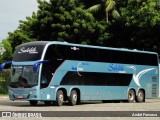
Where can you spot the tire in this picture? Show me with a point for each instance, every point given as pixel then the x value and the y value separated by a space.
pixel 131 96
pixel 72 100
pixel 59 98
pixel 78 100
pixel 140 96
pixel 33 102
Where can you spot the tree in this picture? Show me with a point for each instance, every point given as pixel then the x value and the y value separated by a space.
pixel 109 6
pixel 72 21
pixel 2 50
pixel 18 37
pixel 142 19
pixel 60 20
pixel 6 51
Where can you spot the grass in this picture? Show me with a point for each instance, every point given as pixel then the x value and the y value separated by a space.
pixel 2 80
pixel 1 95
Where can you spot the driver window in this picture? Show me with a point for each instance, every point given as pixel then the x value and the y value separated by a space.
pixel 55 58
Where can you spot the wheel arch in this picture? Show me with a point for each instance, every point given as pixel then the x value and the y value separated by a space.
pixel 132 89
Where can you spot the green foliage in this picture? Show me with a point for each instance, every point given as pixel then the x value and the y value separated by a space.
pixel 142 19
pixel 142 13
pixel 117 23
pixel 109 7
pixel 2 50
pixel 110 4
pixel 62 20
pixel 4 80
pixel 94 8
pixel 7 54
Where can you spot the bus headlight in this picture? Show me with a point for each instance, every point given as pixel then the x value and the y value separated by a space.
pixel 53 86
pixel 33 91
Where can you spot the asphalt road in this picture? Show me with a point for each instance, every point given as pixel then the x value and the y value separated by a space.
pixel 93 110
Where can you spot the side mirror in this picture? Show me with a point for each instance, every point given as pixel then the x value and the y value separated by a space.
pixel 2 66
pixel 35 66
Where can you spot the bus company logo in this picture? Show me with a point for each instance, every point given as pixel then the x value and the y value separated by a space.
pixel 74 48
pixel 137 76
pixel 30 50
pixel 77 69
pixel 115 67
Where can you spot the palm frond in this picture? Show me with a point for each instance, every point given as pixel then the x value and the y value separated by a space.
pixel 94 8
pixel 115 14
pixel 110 4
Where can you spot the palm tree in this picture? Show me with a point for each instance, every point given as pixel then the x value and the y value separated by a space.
pixel 109 6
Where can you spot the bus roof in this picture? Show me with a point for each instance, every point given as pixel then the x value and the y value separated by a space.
pixel 82 45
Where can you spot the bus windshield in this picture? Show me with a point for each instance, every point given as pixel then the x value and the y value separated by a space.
pixel 23 76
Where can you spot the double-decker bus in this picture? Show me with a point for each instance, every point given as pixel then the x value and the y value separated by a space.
pixel 60 72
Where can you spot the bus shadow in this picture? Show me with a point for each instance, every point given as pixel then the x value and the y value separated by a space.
pixel 42 104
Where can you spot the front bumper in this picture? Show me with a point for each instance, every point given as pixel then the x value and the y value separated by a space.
pixel 23 94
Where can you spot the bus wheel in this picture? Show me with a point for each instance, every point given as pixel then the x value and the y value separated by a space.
pixel 72 100
pixel 59 98
pixel 131 96
pixel 140 97
pixel 33 102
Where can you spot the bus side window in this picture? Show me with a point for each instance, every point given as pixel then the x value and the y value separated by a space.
pixel 117 56
pixel 61 52
pixel 90 54
pixel 104 55
pixel 129 57
pixel 75 53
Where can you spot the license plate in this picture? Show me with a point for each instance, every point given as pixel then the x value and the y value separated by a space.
pixel 20 96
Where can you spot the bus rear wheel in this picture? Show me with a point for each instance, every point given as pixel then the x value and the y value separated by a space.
pixel 59 98
pixel 72 100
pixel 140 96
pixel 131 96
pixel 33 102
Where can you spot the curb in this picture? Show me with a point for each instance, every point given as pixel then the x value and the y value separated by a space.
pixel 4 97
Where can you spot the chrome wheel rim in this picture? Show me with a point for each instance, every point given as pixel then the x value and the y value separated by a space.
pixel 74 97
pixel 140 96
pixel 61 98
pixel 131 96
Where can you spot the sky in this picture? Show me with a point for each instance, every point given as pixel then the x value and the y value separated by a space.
pixel 11 11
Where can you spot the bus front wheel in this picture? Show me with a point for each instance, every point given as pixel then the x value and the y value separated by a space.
pixel 59 98
pixel 72 100
pixel 140 96
pixel 33 102
pixel 131 96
